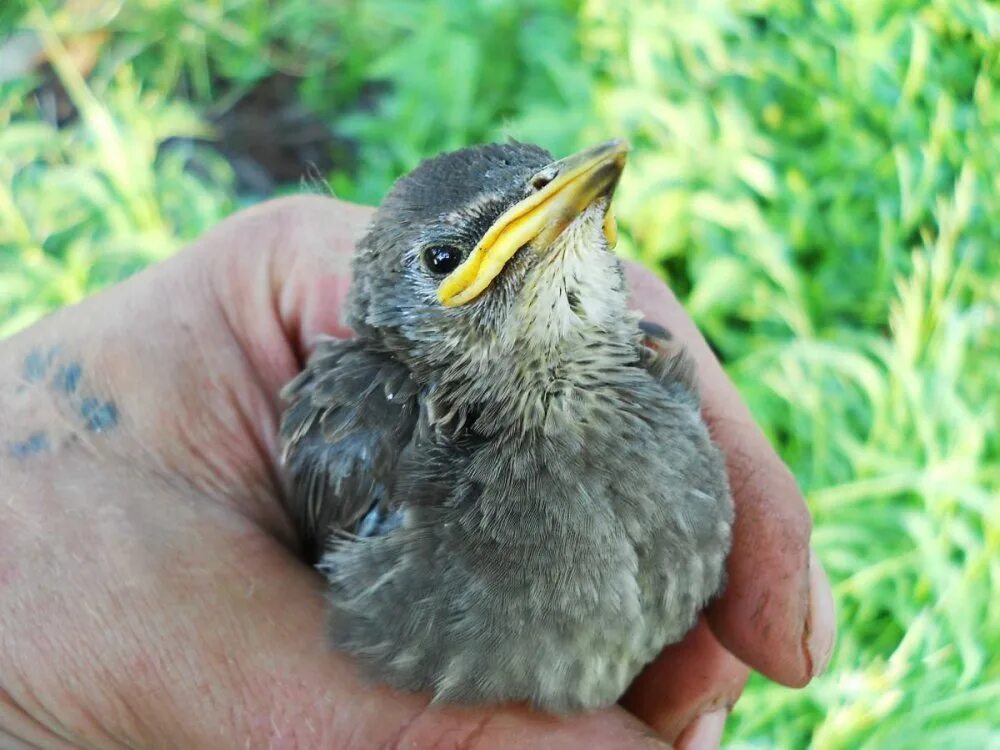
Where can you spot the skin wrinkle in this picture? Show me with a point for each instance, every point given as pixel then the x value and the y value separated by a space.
pixel 807 656
pixel 295 728
pixel 214 472
pixel 231 688
pixel 463 736
pixel 240 717
pixel 91 725
pixel 396 742
pixel 10 742
pixel 32 726
pixel 287 722
pixel 255 429
pixel 235 467
pixel 108 723
pixel 473 739
pixel 133 723
pixel 186 668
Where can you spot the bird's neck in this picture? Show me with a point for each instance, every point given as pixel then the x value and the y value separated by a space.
pixel 513 384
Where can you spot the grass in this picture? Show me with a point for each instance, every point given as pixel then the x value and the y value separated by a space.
pixel 819 180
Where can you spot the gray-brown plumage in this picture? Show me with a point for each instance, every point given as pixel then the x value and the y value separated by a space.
pixel 512 496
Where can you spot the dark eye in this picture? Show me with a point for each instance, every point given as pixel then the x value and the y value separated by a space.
pixel 442 259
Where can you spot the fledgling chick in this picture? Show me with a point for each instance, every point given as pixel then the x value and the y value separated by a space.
pixel 512 496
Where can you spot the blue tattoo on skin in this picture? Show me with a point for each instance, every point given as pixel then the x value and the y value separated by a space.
pixel 34 367
pixel 100 416
pixel 35 444
pixel 67 378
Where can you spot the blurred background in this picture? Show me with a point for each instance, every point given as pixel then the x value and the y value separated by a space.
pixel 819 181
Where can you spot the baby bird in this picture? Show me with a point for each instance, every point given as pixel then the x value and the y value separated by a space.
pixel 509 490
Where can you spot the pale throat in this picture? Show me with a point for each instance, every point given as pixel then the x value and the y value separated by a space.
pixel 570 326
pixel 575 292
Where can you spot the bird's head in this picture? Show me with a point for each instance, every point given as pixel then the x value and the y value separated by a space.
pixel 492 251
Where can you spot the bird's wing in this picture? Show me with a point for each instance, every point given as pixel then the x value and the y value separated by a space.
pixel 668 362
pixel 349 414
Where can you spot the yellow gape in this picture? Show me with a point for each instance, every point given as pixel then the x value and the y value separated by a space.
pixel 579 180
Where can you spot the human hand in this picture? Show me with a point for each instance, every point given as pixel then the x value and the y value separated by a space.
pixel 150 589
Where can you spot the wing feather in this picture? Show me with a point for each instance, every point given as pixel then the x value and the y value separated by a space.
pixel 349 415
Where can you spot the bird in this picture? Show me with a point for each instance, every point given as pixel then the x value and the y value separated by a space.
pixel 504 476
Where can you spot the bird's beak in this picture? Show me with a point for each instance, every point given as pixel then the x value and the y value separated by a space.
pixel 565 189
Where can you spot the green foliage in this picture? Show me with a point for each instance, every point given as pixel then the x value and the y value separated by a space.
pixel 86 204
pixel 475 72
pixel 819 180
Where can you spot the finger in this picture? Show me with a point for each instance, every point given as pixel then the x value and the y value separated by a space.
pixel 688 684
pixel 776 613
pixel 705 733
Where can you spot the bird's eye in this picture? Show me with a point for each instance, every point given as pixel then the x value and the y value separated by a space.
pixel 442 259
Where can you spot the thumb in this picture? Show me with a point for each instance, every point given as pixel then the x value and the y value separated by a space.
pixel 281 272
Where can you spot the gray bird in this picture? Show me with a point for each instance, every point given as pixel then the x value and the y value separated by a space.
pixel 507 484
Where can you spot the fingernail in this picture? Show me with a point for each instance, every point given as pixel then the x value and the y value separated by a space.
pixel 705 732
pixel 821 625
